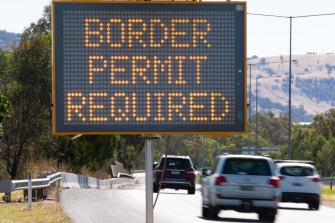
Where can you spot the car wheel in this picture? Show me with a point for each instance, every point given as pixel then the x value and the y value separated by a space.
pixel 314 205
pixel 267 216
pixel 209 212
pixel 205 212
pixel 191 190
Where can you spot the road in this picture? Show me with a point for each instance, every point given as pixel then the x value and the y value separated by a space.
pixel 128 206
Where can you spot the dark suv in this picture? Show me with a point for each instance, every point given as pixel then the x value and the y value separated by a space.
pixel 179 174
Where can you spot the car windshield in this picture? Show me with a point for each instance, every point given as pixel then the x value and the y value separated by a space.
pixel 298 171
pixel 176 163
pixel 247 167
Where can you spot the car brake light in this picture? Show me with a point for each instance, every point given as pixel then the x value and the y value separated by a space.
pixel 191 172
pixel 219 180
pixel 274 181
pixel 315 179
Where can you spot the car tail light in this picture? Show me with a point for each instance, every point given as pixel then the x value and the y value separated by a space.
pixel 274 181
pixel 219 180
pixel 190 172
pixel 315 179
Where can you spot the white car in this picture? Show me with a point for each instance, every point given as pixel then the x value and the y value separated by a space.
pixel 242 183
pixel 299 183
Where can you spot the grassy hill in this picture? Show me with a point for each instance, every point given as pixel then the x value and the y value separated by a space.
pixel 313 84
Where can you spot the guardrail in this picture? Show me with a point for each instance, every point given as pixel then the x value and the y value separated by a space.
pixel 327 180
pixel 41 186
pixel 36 183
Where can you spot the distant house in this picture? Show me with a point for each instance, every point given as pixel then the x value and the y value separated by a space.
pixel 302 123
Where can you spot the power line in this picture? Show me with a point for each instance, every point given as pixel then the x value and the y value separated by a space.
pixel 290 69
pixel 304 16
pixel 267 15
pixel 294 17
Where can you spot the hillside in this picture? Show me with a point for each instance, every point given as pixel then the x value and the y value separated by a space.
pixel 8 40
pixel 313 81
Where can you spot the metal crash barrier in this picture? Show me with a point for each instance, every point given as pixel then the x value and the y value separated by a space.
pixel 40 187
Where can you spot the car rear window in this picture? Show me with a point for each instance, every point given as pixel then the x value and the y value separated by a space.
pixel 176 163
pixel 298 171
pixel 247 167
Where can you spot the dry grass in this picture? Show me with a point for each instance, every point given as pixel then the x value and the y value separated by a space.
pixel 42 212
pixel 103 173
pixel 46 166
pixel 48 211
pixel 328 198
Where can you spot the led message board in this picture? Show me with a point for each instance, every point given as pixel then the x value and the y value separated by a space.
pixel 148 67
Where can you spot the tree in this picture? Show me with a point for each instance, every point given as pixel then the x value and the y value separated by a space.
pixel 30 100
pixel 263 62
pixel 326 159
pixel 94 152
pixel 325 124
pixel 129 149
pixel 301 143
pixel 4 111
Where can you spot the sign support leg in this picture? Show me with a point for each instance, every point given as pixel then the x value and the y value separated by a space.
pixel 149 181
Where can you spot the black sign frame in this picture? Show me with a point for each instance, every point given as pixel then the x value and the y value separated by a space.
pixel 67 12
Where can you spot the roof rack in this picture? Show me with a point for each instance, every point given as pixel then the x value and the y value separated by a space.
pixel 295 161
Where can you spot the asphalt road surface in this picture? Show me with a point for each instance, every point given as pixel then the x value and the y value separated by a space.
pixel 128 206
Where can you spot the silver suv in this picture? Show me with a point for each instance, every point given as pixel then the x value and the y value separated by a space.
pixel 242 183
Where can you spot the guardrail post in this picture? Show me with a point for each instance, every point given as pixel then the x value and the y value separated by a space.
pixel 7 197
pixel 331 185
pixel 30 194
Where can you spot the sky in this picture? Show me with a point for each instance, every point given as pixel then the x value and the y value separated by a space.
pixel 266 36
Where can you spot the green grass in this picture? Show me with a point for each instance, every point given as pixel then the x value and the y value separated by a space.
pixel 328 195
pixel 327 191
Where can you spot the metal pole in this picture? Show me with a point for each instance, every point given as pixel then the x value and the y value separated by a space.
pixel 149 182
pixel 289 96
pixel 30 194
pixel 206 156
pixel 256 115
pixel 249 127
pixel 198 153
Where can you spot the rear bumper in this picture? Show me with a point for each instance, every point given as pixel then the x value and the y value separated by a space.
pixel 177 185
pixel 245 205
pixel 299 197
